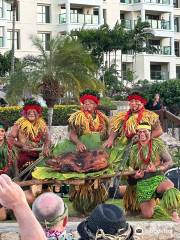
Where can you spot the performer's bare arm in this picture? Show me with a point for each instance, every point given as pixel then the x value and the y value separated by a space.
pixel 47 143
pixel 157 130
pixel 13 137
pixel 74 138
pixel 109 142
pixel 166 161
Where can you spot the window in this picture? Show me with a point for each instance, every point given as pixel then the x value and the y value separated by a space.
pixel 176 24
pixel 10 13
pixel 176 47
pixel 16 39
pixel 45 38
pixel 1 36
pixel 1 8
pixel 43 14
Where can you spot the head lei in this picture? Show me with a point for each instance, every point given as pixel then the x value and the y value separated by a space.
pixel 89 94
pixel 144 126
pixel 32 104
pixel 137 96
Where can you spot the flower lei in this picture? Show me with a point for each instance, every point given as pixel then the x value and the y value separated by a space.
pixel 34 131
pixel 138 120
pixel 93 125
pixel 54 234
pixel 142 158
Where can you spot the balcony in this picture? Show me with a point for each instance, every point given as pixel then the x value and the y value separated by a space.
pixel 127 1
pixel 159 24
pixel 163 50
pixel 159 75
pixel 126 23
pixel 80 18
pixel 164 2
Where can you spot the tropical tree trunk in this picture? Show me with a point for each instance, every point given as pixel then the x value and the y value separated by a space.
pixel 50 116
pixel 14 5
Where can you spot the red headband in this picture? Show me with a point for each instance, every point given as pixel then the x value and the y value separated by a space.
pixel 88 96
pixel 137 97
pixel 35 107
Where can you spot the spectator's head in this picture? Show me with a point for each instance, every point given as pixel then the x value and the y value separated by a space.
pixel 105 219
pixel 157 97
pixel 136 101
pixel 51 212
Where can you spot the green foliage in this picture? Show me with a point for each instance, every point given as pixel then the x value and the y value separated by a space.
pixel 112 81
pixel 66 64
pixel 5 63
pixel 91 92
pixel 169 92
pixel 60 116
pixel 106 101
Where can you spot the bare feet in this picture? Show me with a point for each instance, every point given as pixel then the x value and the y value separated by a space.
pixel 175 217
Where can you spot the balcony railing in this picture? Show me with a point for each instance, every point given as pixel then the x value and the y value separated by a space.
pixel 127 1
pixel 166 2
pixel 126 23
pixel 159 24
pixel 159 75
pixel 163 50
pixel 80 18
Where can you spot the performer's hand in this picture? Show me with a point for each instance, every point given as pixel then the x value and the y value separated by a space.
pixel 135 139
pixel 26 148
pixel 139 174
pixel 151 168
pixel 46 151
pixel 80 147
pixel 108 143
pixel 11 195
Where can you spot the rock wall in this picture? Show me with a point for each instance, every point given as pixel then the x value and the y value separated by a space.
pixel 143 230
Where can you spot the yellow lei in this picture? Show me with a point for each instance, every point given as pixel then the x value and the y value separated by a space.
pixel 31 129
pixel 131 125
pixel 85 121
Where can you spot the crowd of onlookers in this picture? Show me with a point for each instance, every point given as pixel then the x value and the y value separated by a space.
pixel 49 217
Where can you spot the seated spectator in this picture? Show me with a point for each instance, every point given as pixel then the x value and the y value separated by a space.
pixel 106 222
pixel 13 197
pixel 52 214
pixel 156 104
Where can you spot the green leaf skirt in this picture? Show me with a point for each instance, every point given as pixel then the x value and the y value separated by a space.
pixel 146 189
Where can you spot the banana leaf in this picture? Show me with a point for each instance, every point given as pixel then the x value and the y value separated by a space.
pixel 92 142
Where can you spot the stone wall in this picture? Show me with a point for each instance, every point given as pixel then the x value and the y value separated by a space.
pixel 143 230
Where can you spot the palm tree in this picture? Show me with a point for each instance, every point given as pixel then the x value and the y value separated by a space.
pixel 65 68
pixel 14 4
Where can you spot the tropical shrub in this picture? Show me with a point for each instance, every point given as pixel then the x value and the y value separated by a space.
pixel 61 113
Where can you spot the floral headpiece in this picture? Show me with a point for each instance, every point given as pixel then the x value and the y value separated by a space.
pixel 32 104
pixel 89 94
pixel 137 96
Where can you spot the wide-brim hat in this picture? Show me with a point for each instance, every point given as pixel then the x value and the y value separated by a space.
pixel 108 217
